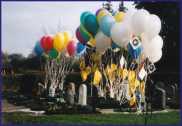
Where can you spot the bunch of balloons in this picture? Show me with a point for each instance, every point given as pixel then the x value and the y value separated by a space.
pixel 53 45
pixel 104 30
pixel 135 34
pixel 146 27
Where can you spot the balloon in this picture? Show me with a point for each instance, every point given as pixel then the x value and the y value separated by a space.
pixel 98 11
pixel 38 49
pixel 46 43
pixel 97 77
pixel 102 42
pixel 154 26
pixel 120 33
pixel 79 37
pixel 101 14
pixel 155 56
pixel 80 48
pixel 59 42
pixel 84 75
pixel 128 15
pixel 154 46
pixel 53 53
pixel 119 16
pixel 71 48
pixel 83 16
pixel 85 34
pixel 91 24
pixel 140 21
pixel 106 24
pixel 67 37
pixel 155 43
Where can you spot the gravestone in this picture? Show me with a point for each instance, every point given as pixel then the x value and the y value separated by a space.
pixel 52 91
pixel 70 94
pixel 161 97
pixel 82 95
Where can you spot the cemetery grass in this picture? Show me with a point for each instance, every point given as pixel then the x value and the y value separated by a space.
pixel 24 118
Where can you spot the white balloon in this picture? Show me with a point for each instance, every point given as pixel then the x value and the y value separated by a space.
pixel 152 49
pixel 120 33
pixel 154 26
pixel 102 42
pixel 140 21
pixel 155 56
pixel 156 42
pixel 129 14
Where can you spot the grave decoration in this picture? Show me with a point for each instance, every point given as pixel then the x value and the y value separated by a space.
pixel 117 50
pixel 59 50
pixel 121 49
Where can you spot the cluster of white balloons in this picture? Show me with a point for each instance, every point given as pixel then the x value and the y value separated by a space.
pixel 140 22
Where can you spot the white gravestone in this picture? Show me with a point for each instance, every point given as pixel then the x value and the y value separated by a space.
pixel 82 95
pixel 52 91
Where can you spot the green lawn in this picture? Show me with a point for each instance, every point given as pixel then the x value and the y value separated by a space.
pixel 163 118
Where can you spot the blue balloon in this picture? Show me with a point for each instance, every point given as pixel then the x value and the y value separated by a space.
pixel 38 49
pixel 106 24
pixel 80 48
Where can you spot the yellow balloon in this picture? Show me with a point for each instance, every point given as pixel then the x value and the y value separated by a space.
pixel 88 70
pixel 67 37
pixel 97 77
pixel 119 16
pixel 82 64
pixel 132 86
pixel 132 100
pixel 119 72
pixel 102 13
pixel 142 88
pixel 84 75
pixel 137 83
pixel 59 42
pixel 113 67
pixel 94 68
pixel 125 73
pixel 131 75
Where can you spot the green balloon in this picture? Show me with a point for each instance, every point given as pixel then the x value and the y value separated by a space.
pixel 53 53
pixel 91 24
pixel 84 33
pixel 83 16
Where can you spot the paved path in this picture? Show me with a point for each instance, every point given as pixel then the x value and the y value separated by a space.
pixel 111 111
pixel 7 107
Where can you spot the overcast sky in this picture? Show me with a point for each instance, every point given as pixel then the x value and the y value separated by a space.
pixel 23 23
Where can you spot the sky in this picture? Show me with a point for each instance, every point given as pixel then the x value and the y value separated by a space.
pixel 24 23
